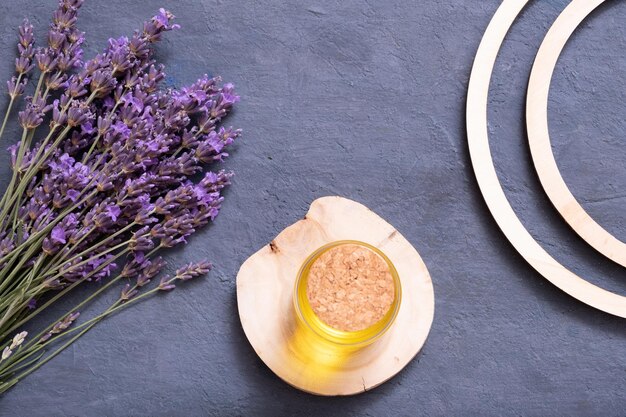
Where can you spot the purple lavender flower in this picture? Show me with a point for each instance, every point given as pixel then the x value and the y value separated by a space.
pixel 193 270
pixel 56 81
pixel 135 266
pixel 26 39
pixel 141 241
pixel 64 51
pixel 16 88
pixel 7 244
pixel 185 273
pixel 115 178
pixel 77 86
pixel 64 17
pixel 160 23
pixel 30 117
pixel 22 65
pixel 166 284
pixel 103 216
pixel 58 235
pixel 46 61
pixel 78 115
pixel 128 292
pixel 120 55
pixel 212 147
pixel 102 83
pixel 56 40
pixel 150 270
pixel 61 326
pixel 144 215
pixel 24 61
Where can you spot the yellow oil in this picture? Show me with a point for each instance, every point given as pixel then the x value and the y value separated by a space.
pixel 322 344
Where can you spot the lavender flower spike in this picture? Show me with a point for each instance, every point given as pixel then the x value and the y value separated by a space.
pixel 24 61
pixel 113 182
pixel 194 270
pixel 61 326
pixel 127 293
pixel 18 340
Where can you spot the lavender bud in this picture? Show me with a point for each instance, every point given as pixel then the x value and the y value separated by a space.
pixel 210 149
pixel 66 61
pixel 15 89
pixel 45 60
pixel 127 293
pixel 76 87
pixel 160 23
pixel 57 235
pixel 6 245
pixel 150 271
pixel 64 18
pixel 102 83
pixel 60 326
pixel 104 124
pixel 120 55
pixel 144 215
pixel 76 116
pixel 6 353
pixel 228 96
pixel 58 117
pixel 56 40
pixel 30 118
pixel 166 284
pixel 56 81
pixel 52 283
pixel 193 270
pixel 135 266
pixel 26 36
pixel 141 240
pixel 22 65
pixel 18 339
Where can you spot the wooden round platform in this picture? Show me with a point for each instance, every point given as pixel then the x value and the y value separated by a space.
pixel 265 286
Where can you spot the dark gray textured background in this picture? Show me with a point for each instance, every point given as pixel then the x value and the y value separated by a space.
pixel 365 99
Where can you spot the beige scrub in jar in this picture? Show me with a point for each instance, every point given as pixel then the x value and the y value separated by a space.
pixel 348 294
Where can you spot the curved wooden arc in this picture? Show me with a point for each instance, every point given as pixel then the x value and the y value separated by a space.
pixel 482 161
pixel 539 136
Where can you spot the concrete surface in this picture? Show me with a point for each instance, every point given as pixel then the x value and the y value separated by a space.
pixel 366 99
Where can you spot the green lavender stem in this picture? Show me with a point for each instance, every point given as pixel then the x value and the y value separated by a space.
pixel 11 102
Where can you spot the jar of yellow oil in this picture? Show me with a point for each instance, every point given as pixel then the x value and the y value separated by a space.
pixel 346 296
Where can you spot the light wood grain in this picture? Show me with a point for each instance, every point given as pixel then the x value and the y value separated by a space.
pixel 539 136
pixel 265 286
pixel 478 140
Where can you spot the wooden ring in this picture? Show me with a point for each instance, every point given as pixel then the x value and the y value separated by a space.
pixel 539 135
pixel 487 178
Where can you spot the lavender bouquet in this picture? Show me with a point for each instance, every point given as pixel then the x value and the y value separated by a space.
pixel 107 173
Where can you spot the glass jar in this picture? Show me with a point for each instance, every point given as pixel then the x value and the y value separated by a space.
pixel 320 337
